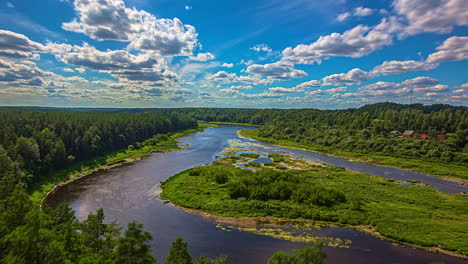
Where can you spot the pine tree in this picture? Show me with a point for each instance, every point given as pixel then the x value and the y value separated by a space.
pixel 178 254
pixel 133 247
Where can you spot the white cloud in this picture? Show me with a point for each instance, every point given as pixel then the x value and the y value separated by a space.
pixel 356 42
pixel 241 87
pixel 187 7
pixel 261 47
pixel 358 11
pixel 439 88
pixel 363 11
pixel 68 70
pixel 453 49
pixel 276 71
pixel 285 90
pixel 225 77
pixel 310 85
pixel 421 81
pixel 400 67
pixel 81 70
pixel 203 57
pixel 112 20
pixel 354 76
pixel 437 16
pixel 227 65
pixel 16 45
pixel 119 63
pixel 343 16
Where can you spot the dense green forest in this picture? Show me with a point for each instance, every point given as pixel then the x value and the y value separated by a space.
pixel 35 143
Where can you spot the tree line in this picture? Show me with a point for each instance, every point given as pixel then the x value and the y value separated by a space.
pixel 35 143
pixel 362 130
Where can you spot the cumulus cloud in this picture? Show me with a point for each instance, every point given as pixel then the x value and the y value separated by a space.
pixel 276 71
pixel 23 72
pixel 356 42
pixel 240 95
pixel 439 88
pixel 16 45
pixel 310 85
pixel 452 49
pixel 119 63
pixel 227 65
pixel 421 81
pixel 358 11
pixel 112 20
pixel 241 87
pixel 285 90
pixel 400 67
pixel 222 76
pixel 225 77
pixel 343 16
pixel 261 47
pixel 363 11
pixel 379 86
pixel 68 70
pixel 203 57
pixel 354 76
pixel 438 16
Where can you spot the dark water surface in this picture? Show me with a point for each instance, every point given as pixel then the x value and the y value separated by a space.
pixel 128 193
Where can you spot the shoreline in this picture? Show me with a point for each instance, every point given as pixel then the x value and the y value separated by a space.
pixel 460 181
pixel 256 221
pixel 121 162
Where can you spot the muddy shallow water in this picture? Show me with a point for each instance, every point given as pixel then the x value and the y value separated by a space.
pixel 130 193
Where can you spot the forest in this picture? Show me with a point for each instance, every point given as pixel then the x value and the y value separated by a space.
pixel 35 143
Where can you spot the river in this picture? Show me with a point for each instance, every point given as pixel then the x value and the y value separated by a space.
pixel 127 193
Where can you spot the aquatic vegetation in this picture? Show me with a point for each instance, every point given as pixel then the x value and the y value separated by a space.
pixel 294 235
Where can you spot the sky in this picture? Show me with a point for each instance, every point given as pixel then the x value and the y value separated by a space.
pixel 233 53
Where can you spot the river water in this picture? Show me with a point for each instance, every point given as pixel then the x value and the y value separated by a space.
pixel 127 193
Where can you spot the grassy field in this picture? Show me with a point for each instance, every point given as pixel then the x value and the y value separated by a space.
pixel 418 215
pixel 117 158
pixel 435 168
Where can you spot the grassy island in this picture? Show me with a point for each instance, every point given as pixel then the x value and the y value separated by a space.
pixel 292 189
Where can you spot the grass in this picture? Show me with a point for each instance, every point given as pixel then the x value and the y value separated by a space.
pixel 418 215
pixel 113 159
pixel 436 168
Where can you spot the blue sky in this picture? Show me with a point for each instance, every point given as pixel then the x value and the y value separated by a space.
pixel 268 54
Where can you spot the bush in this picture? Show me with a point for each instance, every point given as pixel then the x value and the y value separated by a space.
pixel 221 178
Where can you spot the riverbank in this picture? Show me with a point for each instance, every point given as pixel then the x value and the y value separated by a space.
pixel 444 170
pixel 418 216
pixel 81 169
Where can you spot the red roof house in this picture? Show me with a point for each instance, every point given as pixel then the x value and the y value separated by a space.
pixel 441 136
pixel 424 136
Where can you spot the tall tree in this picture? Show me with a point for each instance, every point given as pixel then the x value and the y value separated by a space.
pixel 133 247
pixel 178 254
